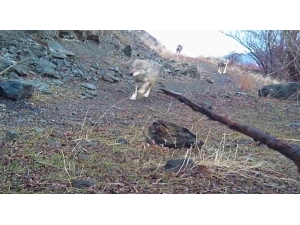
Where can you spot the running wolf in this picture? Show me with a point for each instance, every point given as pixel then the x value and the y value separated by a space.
pixel 178 49
pixel 145 72
pixel 222 65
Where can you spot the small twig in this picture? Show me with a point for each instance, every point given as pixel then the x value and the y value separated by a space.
pixel 186 160
pixel 130 186
pixel 47 164
pixel 85 120
pixel 296 140
pixel 64 160
pixel 169 107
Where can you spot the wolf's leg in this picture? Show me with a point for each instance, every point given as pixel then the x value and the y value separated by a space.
pixel 224 71
pixel 133 97
pixel 144 88
pixel 148 90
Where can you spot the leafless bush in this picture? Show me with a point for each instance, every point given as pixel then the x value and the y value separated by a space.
pixel 276 52
pixel 234 57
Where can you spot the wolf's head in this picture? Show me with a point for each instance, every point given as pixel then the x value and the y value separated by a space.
pixel 140 67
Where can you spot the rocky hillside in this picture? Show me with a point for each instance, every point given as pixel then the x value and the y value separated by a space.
pixel 95 55
pixel 67 124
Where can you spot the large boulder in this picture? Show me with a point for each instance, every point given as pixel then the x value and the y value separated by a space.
pixel 15 90
pixel 281 91
pixel 181 69
pixel 171 135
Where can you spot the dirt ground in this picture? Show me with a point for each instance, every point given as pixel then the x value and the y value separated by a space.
pixel 63 137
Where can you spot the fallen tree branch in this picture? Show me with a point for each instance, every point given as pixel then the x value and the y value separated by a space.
pixel 290 151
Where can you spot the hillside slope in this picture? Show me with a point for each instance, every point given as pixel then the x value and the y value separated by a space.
pixel 79 123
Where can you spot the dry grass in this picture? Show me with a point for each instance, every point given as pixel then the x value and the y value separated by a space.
pixel 83 145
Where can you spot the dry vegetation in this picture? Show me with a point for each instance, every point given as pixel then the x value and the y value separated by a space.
pixel 81 140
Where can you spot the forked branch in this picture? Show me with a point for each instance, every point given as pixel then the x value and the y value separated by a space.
pixel 290 151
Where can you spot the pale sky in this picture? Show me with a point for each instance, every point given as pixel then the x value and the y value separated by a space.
pixel 198 42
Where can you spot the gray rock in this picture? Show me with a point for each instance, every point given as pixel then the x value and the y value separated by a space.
pixel 51 73
pixel 92 93
pixel 4 64
pixel 9 57
pixel 86 96
pixel 95 65
pixel 56 47
pixel 15 90
pixel 28 53
pixel 227 95
pixel 40 86
pixel 101 72
pixel 93 70
pixel 67 63
pixel 41 64
pixel 209 80
pixel 21 69
pixel 4 50
pixel 80 72
pixel 294 124
pixel 56 82
pixel 13 76
pixel 67 34
pixel 84 35
pixel 45 68
pixel 88 143
pixel 59 55
pixel 122 141
pixel 115 69
pixel 88 86
pixel 11 135
pixel 83 68
pixel 93 35
pixel 128 50
pixel 191 71
pixel 110 78
pixel 77 72
pixel 12 49
pixel 38 130
pixel 281 91
pixel 14 43
pixel 82 183
pixel 19 51
pixel 176 165
pixel 47 34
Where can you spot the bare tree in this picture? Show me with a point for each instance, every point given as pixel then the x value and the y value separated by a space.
pixel 276 52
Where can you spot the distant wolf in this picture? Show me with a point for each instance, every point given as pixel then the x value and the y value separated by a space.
pixel 222 65
pixel 178 49
pixel 145 72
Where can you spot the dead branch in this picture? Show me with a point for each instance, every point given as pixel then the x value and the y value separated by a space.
pixel 290 151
